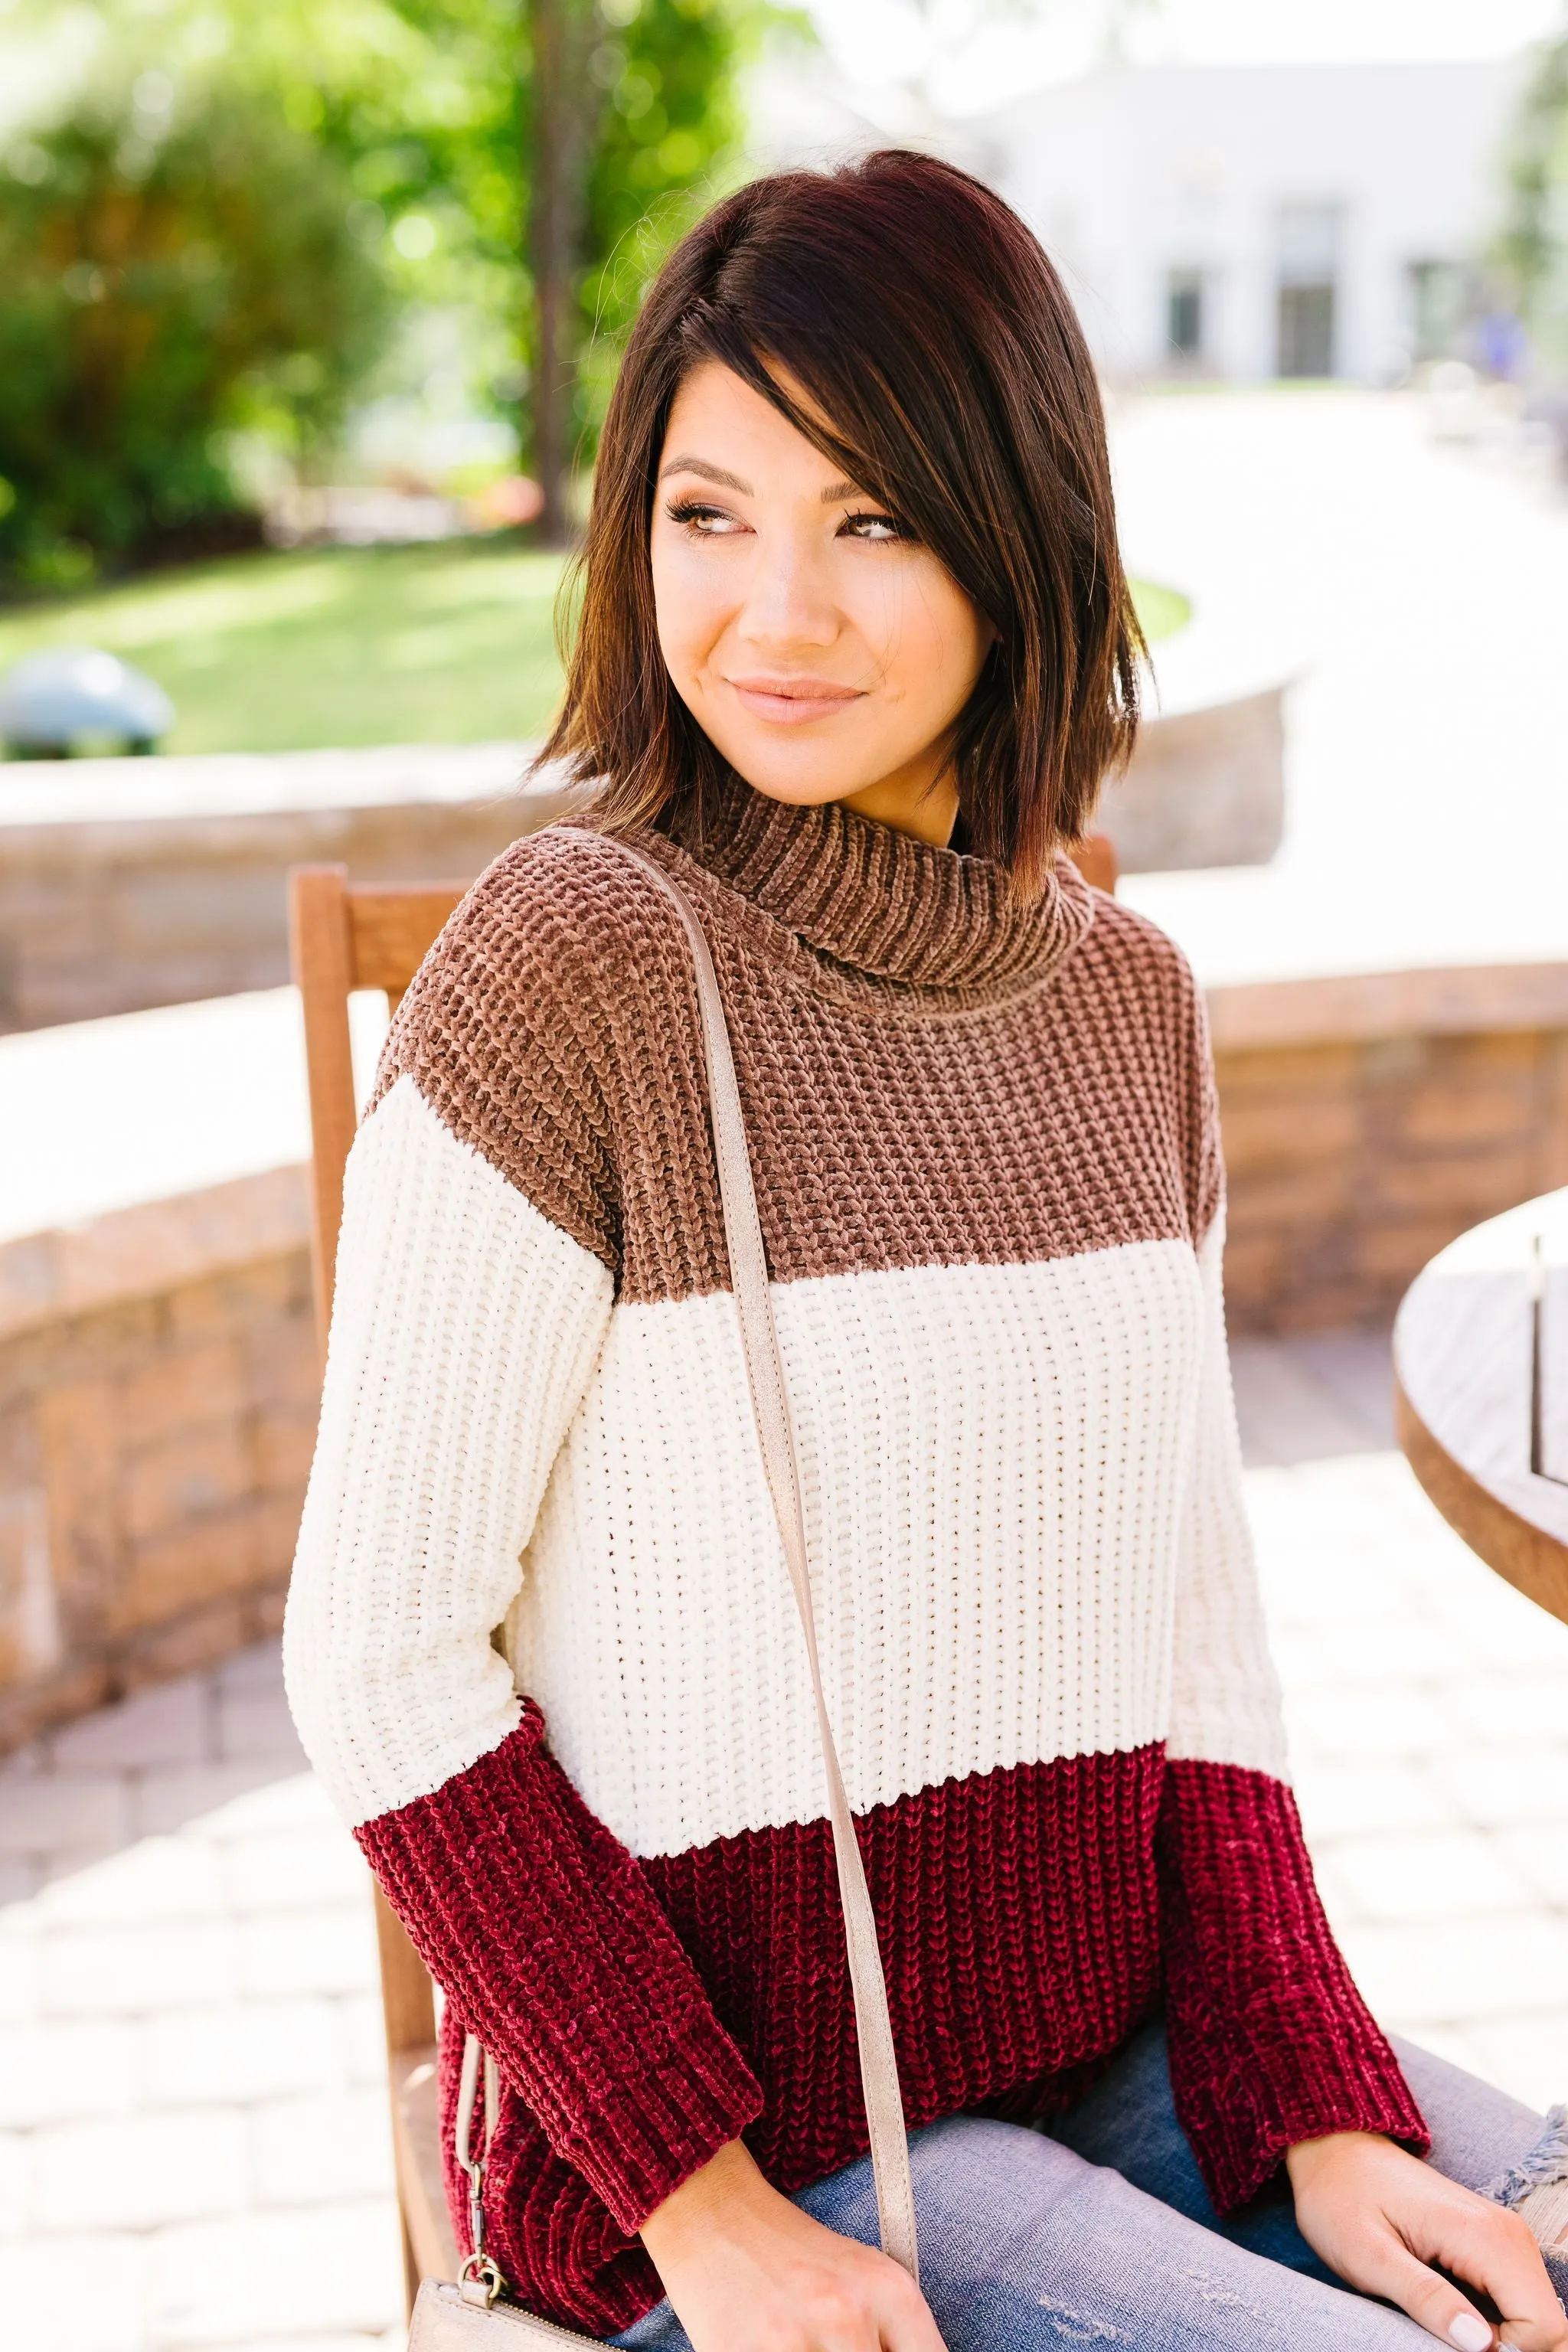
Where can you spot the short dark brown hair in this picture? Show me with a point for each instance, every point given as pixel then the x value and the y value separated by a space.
pixel 925 323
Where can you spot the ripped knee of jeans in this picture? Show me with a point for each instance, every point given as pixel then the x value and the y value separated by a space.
pixel 1536 2188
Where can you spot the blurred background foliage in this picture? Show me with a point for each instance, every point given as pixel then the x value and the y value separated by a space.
pixel 222 223
pixel 162 274
pixel 1536 246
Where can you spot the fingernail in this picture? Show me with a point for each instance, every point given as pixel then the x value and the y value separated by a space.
pixel 1470 2332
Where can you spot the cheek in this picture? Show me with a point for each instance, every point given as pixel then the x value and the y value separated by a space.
pixel 684 607
pixel 928 637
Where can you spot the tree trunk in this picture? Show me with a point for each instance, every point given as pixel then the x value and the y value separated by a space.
pixel 554 204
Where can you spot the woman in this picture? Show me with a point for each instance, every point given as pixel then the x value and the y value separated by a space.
pixel 855 654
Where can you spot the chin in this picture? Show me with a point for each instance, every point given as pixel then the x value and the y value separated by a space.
pixel 798 791
pixel 801 774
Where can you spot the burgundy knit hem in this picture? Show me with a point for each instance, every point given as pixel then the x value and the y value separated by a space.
pixel 1023 1932
pixel 1270 2042
pixel 601 2025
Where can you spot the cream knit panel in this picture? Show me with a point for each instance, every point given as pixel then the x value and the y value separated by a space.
pixel 995 1460
pixel 1226 1697
pixel 464 1332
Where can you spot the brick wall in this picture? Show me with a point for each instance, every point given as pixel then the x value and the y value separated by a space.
pixel 1369 1120
pixel 158 1383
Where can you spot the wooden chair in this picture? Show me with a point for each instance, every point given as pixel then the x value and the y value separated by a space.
pixel 375 935
pixel 341 938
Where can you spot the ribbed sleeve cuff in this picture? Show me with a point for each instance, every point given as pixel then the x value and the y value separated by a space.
pixel 548 1940
pixel 1271 2043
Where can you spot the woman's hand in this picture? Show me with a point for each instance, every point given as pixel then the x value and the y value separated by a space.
pixel 749 2271
pixel 1380 2218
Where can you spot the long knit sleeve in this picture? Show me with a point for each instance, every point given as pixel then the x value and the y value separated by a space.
pixel 1270 2042
pixel 466 1327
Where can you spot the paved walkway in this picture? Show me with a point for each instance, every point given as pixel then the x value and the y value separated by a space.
pixel 194 2148
pixel 193 2144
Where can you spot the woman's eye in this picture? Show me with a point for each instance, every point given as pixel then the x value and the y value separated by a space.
pixel 703 521
pixel 875 527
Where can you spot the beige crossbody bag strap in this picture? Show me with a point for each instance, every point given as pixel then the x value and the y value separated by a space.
pixel 775 1433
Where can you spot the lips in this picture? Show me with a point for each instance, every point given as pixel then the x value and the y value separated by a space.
pixel 792 701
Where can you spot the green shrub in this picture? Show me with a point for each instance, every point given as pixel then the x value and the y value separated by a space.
pixel 168 272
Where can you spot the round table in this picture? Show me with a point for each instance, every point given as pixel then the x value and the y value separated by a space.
pixel 1480 1363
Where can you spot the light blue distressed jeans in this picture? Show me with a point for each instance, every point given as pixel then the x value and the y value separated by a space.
pixel 1098 2236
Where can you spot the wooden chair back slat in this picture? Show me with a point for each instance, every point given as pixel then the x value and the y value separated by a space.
pixel 322 961
pixel 1095 857
pixel 393 930
pixel 346 936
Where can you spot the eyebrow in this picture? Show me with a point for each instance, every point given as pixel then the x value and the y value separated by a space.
pixel 686 463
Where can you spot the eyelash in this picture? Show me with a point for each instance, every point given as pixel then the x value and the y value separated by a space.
pixel 689 512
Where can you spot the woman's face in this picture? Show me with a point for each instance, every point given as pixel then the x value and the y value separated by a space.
pixel 824 653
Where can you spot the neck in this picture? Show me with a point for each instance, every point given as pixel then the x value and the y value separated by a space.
pixel 925 806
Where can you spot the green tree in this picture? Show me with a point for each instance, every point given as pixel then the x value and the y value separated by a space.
pixel 515 163
pixel 555 148
pixel 608 122
pixel 169 267
pixel 669 136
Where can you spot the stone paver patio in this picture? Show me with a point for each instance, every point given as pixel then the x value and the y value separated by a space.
pixel 193 2143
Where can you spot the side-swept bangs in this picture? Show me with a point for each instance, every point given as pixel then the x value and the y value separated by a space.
pixel 922 320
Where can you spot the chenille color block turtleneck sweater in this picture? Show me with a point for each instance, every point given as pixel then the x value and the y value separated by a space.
pixel 989 1180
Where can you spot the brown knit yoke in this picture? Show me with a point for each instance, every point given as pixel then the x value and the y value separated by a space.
pixel 555 1027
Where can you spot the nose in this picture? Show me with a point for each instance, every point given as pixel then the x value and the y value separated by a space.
pixel 788 606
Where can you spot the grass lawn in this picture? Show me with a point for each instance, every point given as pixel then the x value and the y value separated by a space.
pixel 452 643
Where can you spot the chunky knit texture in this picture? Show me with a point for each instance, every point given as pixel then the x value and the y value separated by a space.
pixel 988 1175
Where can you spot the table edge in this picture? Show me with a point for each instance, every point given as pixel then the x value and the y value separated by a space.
pixel 1534 1563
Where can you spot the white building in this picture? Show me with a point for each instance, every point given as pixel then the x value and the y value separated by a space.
pixel 1254 221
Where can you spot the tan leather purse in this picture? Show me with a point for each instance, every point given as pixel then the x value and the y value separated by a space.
pixel 471 2314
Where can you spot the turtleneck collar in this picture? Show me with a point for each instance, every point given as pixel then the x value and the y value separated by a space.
pixel 882 903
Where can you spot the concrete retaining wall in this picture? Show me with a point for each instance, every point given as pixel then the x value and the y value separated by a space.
pixel 130 883
pixel 1205 787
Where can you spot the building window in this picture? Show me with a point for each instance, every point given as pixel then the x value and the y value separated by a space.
pixel 1184 313
pixel 1307 249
